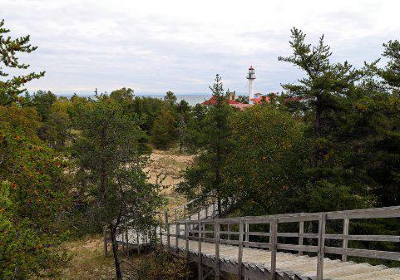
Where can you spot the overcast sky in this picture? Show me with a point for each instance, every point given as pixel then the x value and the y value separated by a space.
pixel 157 45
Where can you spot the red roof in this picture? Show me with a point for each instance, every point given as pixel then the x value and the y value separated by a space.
pixel 259 100
pixel 213 101
pixel 251 68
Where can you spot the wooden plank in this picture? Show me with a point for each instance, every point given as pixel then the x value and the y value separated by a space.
pixel 177 236
pixel 295 234
pixel 294 247
pixel 301 238
pixel 251 233
pixel 321 247
pixel 381 238
pixel 346 224
pixel 364 253
pixel 168 229
pixel 240 251
pixel 274 241
pixel 216 260
pixel 259 245
pixel 187 239
pixel 200 264
pixel 246 230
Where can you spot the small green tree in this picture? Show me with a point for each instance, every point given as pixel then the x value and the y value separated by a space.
pixel 207 174
pixel 9 48
pixel 111 169
pixel 164 131
pixel 266 166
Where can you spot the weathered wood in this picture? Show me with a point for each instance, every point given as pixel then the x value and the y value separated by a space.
pixel 273 228
pixel 216 259
pixel 200 262
pixel 346 224
pixel 240 251
pixel 301 238
pixel 321 247
pixel 247 230
pixel 177 229
pixel 168 229
pixel 364 253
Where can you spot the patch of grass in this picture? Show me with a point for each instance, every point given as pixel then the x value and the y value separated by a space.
pixel 88 262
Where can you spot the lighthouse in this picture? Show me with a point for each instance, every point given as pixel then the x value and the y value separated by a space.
pixel 251 76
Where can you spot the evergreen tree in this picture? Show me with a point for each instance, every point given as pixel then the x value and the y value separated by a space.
pixel 9 48
pixel 164 132
pixel 111 170
pixel 208 173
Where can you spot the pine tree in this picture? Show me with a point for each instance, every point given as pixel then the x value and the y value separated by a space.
pixel 111 169
pixel 207 175
pixel 11 88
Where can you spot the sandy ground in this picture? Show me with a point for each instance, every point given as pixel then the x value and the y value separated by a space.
pixel 165 167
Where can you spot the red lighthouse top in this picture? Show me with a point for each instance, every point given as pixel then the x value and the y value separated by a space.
pixel 251 68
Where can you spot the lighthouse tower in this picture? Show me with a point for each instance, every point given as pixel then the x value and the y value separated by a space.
pixel 251 76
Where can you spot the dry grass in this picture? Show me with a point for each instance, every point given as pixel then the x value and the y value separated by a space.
pixel 88 262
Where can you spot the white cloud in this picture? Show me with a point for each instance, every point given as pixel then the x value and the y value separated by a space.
pixel 157 45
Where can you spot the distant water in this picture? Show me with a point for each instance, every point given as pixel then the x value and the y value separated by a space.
pixel 191 98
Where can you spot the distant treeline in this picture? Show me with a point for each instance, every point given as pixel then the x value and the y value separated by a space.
pixel 330 141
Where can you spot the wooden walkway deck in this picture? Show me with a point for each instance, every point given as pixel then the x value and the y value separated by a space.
pixel 256 263
pixel 240 246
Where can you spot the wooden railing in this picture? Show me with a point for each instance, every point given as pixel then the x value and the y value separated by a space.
pixel 238 231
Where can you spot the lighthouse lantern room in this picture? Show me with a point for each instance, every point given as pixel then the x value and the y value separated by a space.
pixel 251 76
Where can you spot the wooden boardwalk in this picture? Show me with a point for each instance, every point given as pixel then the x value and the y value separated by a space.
pixel 241 247
pixel 288 266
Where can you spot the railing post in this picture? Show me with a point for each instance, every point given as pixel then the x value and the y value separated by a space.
pixel 168 230
pixel 138 241
pixel 200 261
pixel 213 208
pixel 346 224
pixel 187 239
pixel 301 238
pixel 216 237
pixel 321 246
pixel 240 252
pixel 247 230
pixel 273 229
pixel 127 239
pixel 177 232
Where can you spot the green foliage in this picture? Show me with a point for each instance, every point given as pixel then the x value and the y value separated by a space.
pixel 266 165
pixel 33 199
pixel 110 174
pixel 207 173
pixel 164 131
pixel 162 265
pixel 12 87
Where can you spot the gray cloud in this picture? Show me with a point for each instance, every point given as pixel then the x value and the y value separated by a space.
pixel 154 47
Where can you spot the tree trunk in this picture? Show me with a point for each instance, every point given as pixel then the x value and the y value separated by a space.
pixel 115 252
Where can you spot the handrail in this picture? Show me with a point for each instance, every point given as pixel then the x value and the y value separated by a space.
pixel 195 230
